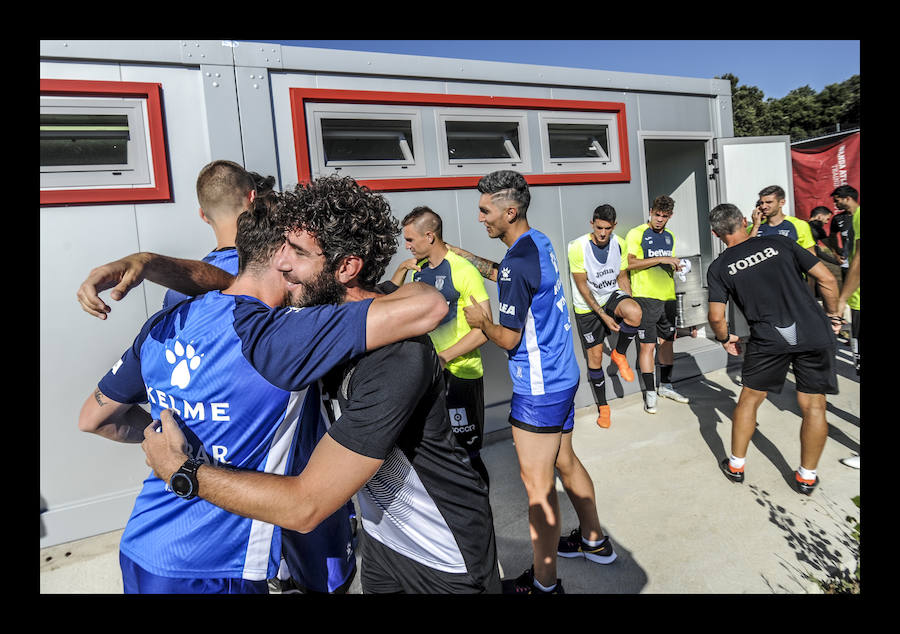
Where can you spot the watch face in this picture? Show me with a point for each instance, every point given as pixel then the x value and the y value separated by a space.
pixel 181 484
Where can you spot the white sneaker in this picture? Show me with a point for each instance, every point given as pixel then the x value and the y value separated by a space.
pixel 650 402
pixel 665 389
pixel 852 461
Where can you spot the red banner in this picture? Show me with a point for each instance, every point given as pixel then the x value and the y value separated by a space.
pixel 817 172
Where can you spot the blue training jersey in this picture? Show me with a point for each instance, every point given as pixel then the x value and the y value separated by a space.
pixel 532 300
pixel 225 259
pixel 236 372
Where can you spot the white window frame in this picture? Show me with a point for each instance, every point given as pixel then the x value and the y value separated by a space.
pixel 413 165
pixel 478 167
pixel 137 172
pixel 612 163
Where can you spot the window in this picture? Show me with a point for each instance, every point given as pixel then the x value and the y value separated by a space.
pixel 579 142
pixel 101 142
pixel 474 142
pixel 93 143
pixel 366 141
pixel 403 141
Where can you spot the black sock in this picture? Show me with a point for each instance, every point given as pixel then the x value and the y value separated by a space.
pixel 649 381
pixel 597 379
pixel 626 336
pixel 665 373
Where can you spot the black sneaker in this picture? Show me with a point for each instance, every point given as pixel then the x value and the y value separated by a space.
pixel 524 584
pixel 730 473
pixel 573 546
pixel 805 486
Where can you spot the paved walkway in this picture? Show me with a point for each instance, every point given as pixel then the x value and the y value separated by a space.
pixel 677 524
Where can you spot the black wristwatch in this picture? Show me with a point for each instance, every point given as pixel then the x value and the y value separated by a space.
pixel 184 481
pixel 725 340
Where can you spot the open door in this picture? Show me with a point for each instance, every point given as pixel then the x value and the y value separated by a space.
pixel 742 166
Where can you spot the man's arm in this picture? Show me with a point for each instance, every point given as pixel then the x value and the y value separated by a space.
pixel 851 282
pixel 413 309
pixel 330 478
pixel 636 264
pixel 582 286
pixel 719 325
pixel 110 419
pixel 475 338
pixel 190 277
pixel 478 317
pixel 487 268
pixel 399 276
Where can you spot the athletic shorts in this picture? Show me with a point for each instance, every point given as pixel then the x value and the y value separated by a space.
pixel 136 580
pixel 385 571
pixel 465 402
pixel 545 414
pixel 658 319
pixel 814 371
pixel 591 328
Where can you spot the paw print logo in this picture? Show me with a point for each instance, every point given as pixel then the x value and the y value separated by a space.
pixel 185 360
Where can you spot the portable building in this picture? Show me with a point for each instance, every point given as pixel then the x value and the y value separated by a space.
pixel 127 125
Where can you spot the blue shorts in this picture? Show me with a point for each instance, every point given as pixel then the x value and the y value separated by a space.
pixel 136 580
pixel 549 413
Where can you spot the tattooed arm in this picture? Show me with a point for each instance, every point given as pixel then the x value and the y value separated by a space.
pixel 113 420
pixel 487 268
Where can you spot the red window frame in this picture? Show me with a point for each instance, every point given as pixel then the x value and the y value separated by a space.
pixel 152 93
pixel 301 96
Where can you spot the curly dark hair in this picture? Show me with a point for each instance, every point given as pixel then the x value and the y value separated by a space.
pixel 347 219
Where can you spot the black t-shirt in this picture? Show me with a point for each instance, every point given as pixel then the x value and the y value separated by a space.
pixel 426 501
pixel 843 223
pixel 764 277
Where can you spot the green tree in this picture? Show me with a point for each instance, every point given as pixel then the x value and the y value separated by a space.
pixel 802 113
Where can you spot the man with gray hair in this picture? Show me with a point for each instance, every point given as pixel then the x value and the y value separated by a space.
pixel 764 278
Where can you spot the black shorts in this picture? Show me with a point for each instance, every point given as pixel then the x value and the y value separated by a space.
pixel 465 402
pixel 591 328
pixel 657 320
pixel 385 571
pixel 814 371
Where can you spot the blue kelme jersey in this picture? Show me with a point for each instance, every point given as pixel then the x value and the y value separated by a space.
pixel 532 300
pixel 235 371
pixel 226 259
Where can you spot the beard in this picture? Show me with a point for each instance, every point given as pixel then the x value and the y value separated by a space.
pixel 322 289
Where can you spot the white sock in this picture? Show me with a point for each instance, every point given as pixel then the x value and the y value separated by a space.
pixel 592 544
pixel 736 463
pixel 806 474
pixel 537 584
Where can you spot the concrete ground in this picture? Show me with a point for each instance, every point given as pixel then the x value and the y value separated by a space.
pixel 678 525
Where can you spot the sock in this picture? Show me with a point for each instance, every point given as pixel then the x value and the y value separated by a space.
pixel 626 336
pixel 593 544
pixel 806 474
pixel 649 381
pixel 537 584
pixel 597 379
pixel 665 374
pixel 736 463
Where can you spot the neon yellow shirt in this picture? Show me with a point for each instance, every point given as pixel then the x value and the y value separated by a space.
pixel 853 300
pixel 456 279
pixel 655 282
pixel 601 276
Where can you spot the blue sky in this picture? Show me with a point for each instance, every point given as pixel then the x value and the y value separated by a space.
pixel 774 66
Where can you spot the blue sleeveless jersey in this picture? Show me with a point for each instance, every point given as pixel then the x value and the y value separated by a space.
pixel 225 259
pixel 236 372
pixel 532 300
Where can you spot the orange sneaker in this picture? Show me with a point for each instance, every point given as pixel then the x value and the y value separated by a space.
pixel 603 419
pixel 621 362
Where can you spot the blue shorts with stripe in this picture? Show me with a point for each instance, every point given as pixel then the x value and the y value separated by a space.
pixel 548 413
